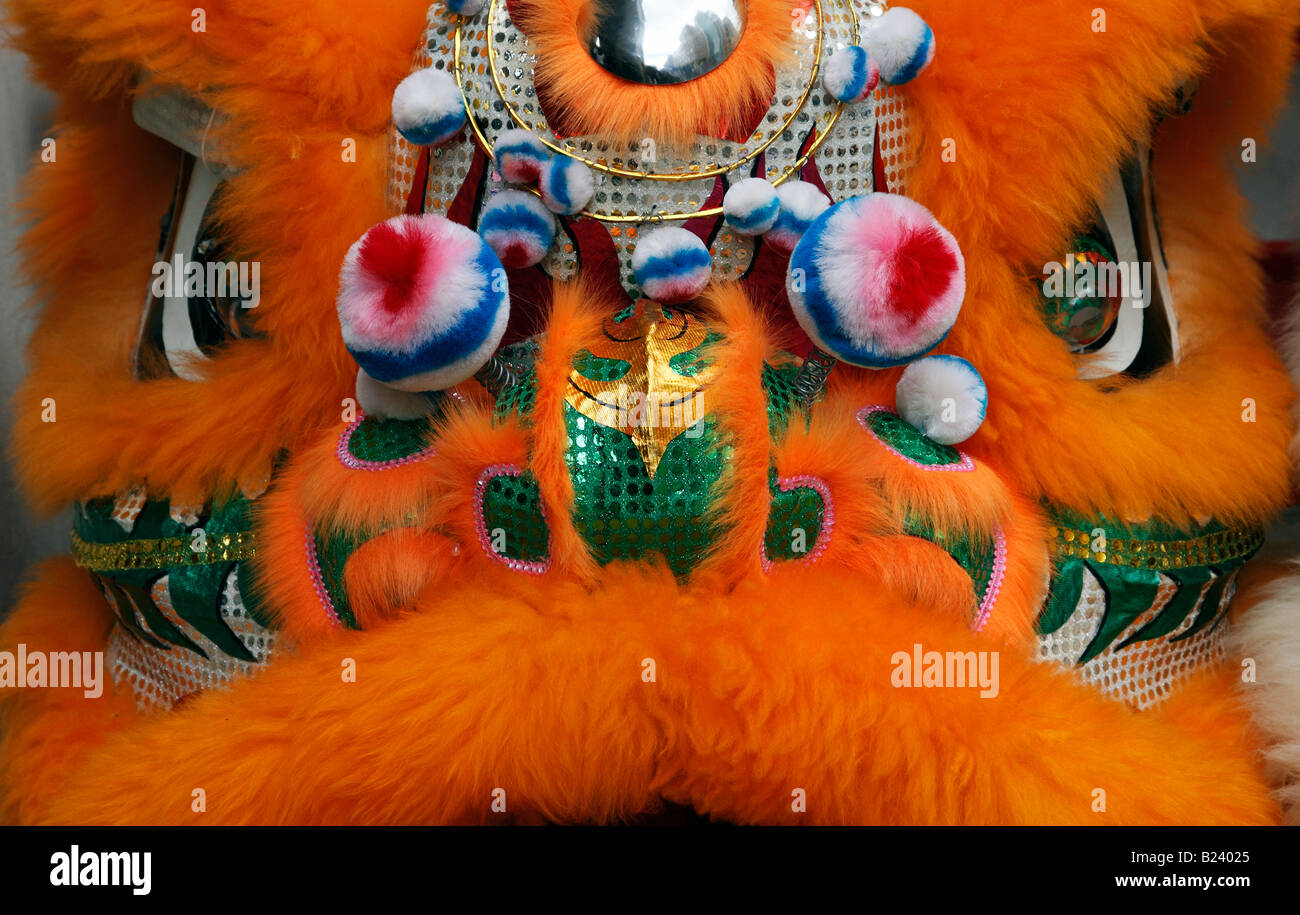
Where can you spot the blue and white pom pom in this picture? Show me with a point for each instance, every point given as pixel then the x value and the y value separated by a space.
pixel 801 203
pixel 851 74
pixel 466 8
pixel 521 156
pixel 423 303
pixel 518 227
pixel 671 265
pixel 751 206
pixel 876 281
pixel 567 185
pixel 428 108
pixel 944 397
pixel 901 43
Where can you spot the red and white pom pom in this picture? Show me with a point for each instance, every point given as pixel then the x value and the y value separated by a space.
pixel 518 227
pixel 428 108
pixel 876 281
pixel 521 157
pixel 567 185
pixel 801 203
pixel 423 303
pixel 671 264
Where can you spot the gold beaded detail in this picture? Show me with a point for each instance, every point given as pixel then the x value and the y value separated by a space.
pixel 1142 553
pixel 165 553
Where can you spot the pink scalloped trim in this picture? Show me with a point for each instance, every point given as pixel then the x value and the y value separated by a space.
pixel 317 580
pixel 966 465
pixel 994 588
pixel 480 522
pixel 348 459
pixel 785 484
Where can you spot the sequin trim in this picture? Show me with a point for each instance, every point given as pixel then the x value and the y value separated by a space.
pixel 994 588
pixel 1155 552
pixel 318 580
pixel 165 553
pixel 480 521
pixel 807 481
pixel 351 461
pixel 965 465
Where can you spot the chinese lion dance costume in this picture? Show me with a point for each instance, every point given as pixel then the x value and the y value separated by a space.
pixel 630 393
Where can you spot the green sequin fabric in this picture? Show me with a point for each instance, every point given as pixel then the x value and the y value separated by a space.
pixel 623 513
pixel 512 505
pixel 378 440
pixel 908 441
pixel 794 522
pixel 1129 561
pixel 782 396
pixel 126 573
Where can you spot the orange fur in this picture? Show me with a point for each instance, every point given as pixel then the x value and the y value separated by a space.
pixel 784 683
pixel 585 98
pixel 473 677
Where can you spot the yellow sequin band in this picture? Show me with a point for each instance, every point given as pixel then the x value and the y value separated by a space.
pixel 166 553
pixel 1095 546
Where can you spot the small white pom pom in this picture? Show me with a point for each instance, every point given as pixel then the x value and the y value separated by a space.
pixel 466 8
pixel 518 227
pixel 901 43
pixel 671 264
pixel 428 108
pixel 383 402
pixel 851 74
pixel 751 206
pixel 567 186
pixel 521 156
pixel 801 203
pixel 944 397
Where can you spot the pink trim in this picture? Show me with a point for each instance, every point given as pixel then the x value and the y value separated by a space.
pixel 349 460
pixel 317 581
pixel 965 466
pixel 786 484
pixel 994 588
pixel 480 522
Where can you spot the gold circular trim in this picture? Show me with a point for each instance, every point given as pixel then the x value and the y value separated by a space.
pixel 486 145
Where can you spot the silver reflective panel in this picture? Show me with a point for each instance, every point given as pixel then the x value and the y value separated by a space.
pixel 664 42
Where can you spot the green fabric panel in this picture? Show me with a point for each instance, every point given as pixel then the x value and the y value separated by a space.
pixel 801 508
pixel 513 504
pixel 1190 583
pixel 332 553
pixel 196 597
pixel 1209 606
pixel 1066 589
pixel 1129 594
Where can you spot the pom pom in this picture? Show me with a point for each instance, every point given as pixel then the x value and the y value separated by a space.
pixel 567 185
pixel 518 227
pixel 876 281
pixel 521 157
pixel 801 203
pixel 902 44
pixel 466 8
pixel 428 108
pixel 944 397
pixel 423 303
pixel 383 402
pixel 851 74
pixel 671 265
pixel 751 206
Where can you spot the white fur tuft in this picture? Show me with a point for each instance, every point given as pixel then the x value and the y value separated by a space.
pixel 1269 634
pixel 944 397
pixel 567 186
pixel 896 41
pixel 751 206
